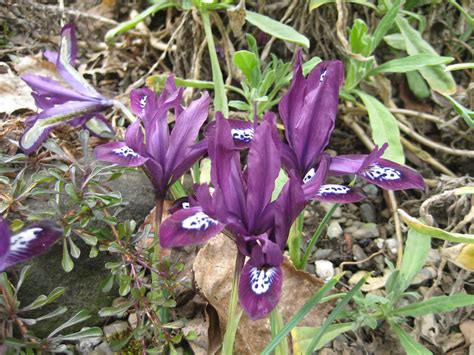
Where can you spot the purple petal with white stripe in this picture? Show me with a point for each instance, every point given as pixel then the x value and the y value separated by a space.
pixel 139 99
pixel 392 176
pixel 30 242
pixel 259 289
pixel 119 153
pixel 188 227
pixel 338 194
pixel 242 132
pixel 4 240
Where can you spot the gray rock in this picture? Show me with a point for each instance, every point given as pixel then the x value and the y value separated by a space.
pixel 368 230
pixel 371 190
pixel 102 349
pixel 355 225
pixel 86 345
pixel 322 253
pixel 358 254
pixel 138 192
pixel 334 230
pixel 367 213
pixel 426 274
pixel 392 245
pixel 115 328
pixel 327 206
pixel 434 257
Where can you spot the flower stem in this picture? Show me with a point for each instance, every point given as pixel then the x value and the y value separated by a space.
pixel 129 115
pixel 159 203
pixel 220 98
pixel 276 324
pixel 294 241
pixel 233 317
pixel 317 234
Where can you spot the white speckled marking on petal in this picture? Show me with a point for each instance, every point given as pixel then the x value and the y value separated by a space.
pixel 309 175
pixel 185 205
pixel 199 221
pixel 125 152
pixel 261 279
pixel 377 172
pixel 333 189
pixel 323 75
pixel 20 241
pixel 244 135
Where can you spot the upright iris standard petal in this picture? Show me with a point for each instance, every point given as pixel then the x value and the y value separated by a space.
pixel 119 153
pixel 188 226
pixel 288 206
pixel 308 111
pixel 263 168
pixel 259 289
pixel 30 242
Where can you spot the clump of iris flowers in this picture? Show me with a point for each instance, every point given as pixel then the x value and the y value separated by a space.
pixel 240 200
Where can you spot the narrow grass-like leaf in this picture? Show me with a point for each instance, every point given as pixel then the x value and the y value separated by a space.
pixel 385 24
pixel 435 232
pixel 314 4
pixel 276 324
pixel 23 274
pixel 115 311
pixel 334 314
pixel 413 62
pixel 384 127
pixel 415 254
pixel 460 66
pixel 302 336
pixel 410 345
pixel 128 25
pixel 435 305
pixel 42 300
pixel 466 114
pixel 313 301
pixel 58 311
pixel 80 316
pixel 83 333
pixel 276 28
pixel 435 75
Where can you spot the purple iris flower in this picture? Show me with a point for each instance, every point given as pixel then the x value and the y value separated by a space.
pixel 78 105
pixel 308 111
pixel 241 203
pixel 165 155
pixel 26 244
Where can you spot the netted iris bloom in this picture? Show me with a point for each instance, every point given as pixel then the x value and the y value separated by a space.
pixel 242 204
pixel 165 155
pixel 308 111
pixel 26 244
pixel 77 105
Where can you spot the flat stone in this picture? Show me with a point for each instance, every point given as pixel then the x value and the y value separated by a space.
pixel 86 345
pixel 367 213
pixel 102 349
pixel 368 230
pixel 334 230
pixel 359 254
pixel 371 190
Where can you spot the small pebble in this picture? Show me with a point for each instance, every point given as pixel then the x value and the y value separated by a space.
pixel 358 253
pixel 426 274
pixel 354 226
pixel 434 257
pixel 380 243
pixel 322 254
pixel 328 205
pixel 324 269
pixel 392 245
pixel 367 213
pixel 102 349
pixel 334 230
pixel 368 230
pixel 86 345
pixel 371 190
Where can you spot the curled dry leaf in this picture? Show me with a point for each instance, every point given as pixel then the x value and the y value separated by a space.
pixel 461 255
pixel 213 273
pixel 373 283
pixel 14 93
